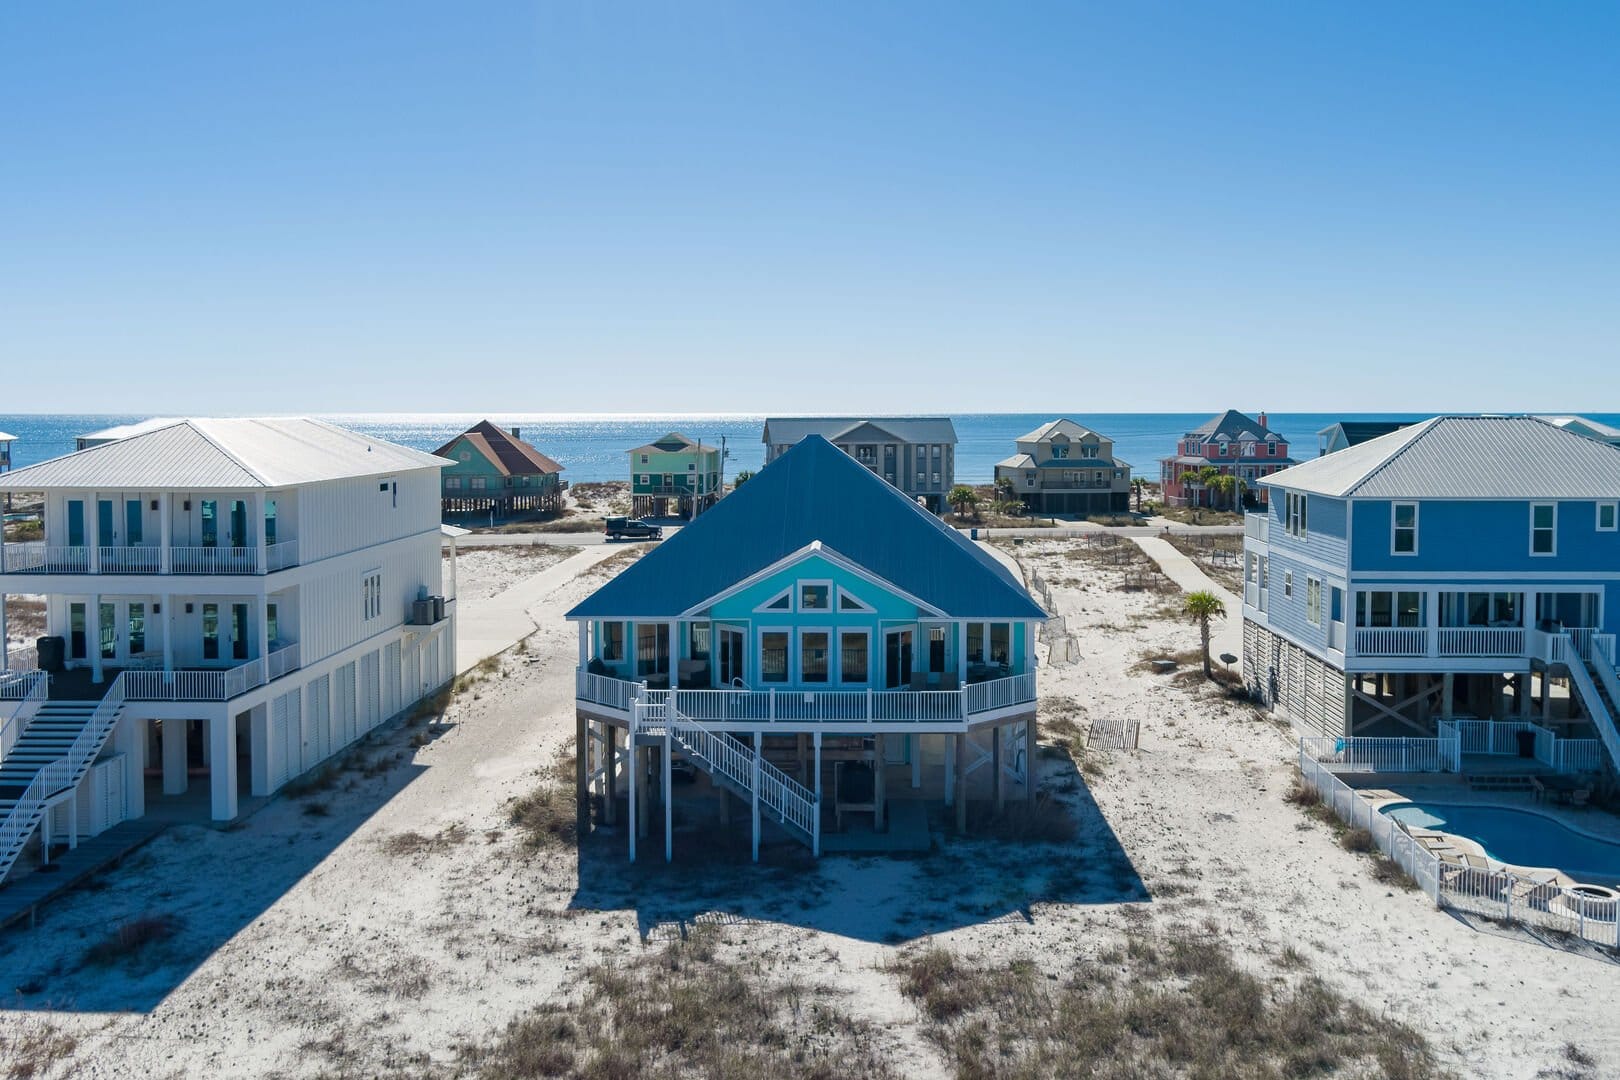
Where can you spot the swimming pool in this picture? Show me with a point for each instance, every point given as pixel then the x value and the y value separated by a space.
pixel 1518 837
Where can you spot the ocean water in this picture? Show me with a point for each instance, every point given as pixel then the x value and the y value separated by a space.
pixel 593 447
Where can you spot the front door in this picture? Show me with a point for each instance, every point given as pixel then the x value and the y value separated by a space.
pixel 732 650
pixel 897 658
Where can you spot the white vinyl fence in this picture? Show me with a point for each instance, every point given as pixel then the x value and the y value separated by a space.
pixel 1492 893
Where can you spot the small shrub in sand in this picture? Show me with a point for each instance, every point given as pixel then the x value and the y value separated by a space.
pixel 32 1048
pixel 130 939
pixel 1175 1005
pixel 548 816
pixel 1045 821
pixel 1359 841
pixel 683 1012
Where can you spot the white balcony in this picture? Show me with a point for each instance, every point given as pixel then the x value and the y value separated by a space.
pixel 214 685
pixel 40 558
pixel 1257 527
pixel 1478 642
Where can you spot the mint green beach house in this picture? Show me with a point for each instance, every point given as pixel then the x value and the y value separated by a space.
pixel 675 476
pixel 494 470
pixel 819 649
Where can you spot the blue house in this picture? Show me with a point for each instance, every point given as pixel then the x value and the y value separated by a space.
pixel 1464 566
pixel 818 622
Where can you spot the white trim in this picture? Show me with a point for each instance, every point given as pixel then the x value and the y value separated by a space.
pixel 1395 528
pixel 1534 554
pixel 1440 577
pixel 815 547
pixel 1316 583
pixel 831 682
pixel 1614 516
pixel 771 606
pixel 860 605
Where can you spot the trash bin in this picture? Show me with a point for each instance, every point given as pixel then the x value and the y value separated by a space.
pixel 973 534
pixel 52 652
pixel 1527 743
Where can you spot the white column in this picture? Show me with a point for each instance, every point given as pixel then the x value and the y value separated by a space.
pixel 93 646
pixel 165 533
pixel 674 652
pixel 264 633
pixel 261 555
pixel 222 764
pixel 961 654
pixel 5 639
pixel 93 529
pixel 129 739
pixel 817 823
pixel 452 568
pixel 633 819
pixel 259 749
pixel 167 614
pixel 755 786
pixel 950 769
pixel 669 802
pixel 584 644
pixel 173 736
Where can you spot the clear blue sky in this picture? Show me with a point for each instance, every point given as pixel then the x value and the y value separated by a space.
pixel 753 205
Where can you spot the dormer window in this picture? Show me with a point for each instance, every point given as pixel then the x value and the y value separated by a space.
pixel 1060 450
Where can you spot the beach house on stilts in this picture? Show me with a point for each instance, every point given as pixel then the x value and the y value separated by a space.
pixel 228 602
pixel 817 648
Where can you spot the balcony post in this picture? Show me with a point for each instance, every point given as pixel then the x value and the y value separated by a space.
pixel 165 534
pixel 93 512
pixel 584 644
pixel 93 646
pixel 261 549
pixel 264 635
pixel 5 641
pixel 167 613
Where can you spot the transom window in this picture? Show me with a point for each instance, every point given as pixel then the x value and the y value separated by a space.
pixel 1543 528
pixel 1403 537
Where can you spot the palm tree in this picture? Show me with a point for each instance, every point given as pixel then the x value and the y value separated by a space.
pixel 1224 485
pixel 963 498
pixel 741 478
pixel 1201 607
pixel 1137 487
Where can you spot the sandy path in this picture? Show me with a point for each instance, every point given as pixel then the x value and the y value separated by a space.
pixel 1227 635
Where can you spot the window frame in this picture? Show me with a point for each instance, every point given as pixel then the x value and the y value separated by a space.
pixel 1551 530
pixel 1395 528
pixel 764 607
pixel 1614 516
pixel 839 634
pixel 1288 584
pixel 798 595
pixel 759 655
pixel 856 603
pixel 1313 600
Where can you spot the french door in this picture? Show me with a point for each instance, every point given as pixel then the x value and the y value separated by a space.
pixel 732 650
pixel 897 658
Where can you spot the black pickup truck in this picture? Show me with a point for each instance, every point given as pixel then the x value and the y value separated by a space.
pixel 619 528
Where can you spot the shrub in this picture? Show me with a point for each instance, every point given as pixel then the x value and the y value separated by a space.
pixel 130 939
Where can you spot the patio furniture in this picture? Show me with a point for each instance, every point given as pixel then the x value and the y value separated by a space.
pixel 694 674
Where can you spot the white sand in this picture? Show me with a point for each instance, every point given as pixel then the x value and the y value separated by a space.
pixel 307 947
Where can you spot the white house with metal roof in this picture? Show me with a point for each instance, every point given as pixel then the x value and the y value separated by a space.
pixel 916 454
pixel 1583 425
pixel 1066 468
pixel 230 600
pixel 1457 570
pixel 121 431
pixel 814 643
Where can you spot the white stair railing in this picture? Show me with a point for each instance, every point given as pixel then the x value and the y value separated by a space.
pixel 1581 677
pixel 788 800
pixel 62 774
pixel 21 695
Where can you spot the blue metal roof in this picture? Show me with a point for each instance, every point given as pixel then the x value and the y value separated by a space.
pixel 814 492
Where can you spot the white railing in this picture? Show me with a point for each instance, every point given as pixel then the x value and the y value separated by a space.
pixel 1336 635
pixel 23 659
pixel 220 685
pixel 1496 893
pixel 1580 755
pixel 59 775
pixel 1393 755
pixel 281 555
pixel 769 706
pixel 1552 648
pixel 1391 641
pixel 44 559
pixel 1257 526
pixel 1450 744
pixel 130 560
pixel 1251 594
pixel 1480 641
pixel 1581 679
pixel 213 560
pixel 21 695
pixel 282 661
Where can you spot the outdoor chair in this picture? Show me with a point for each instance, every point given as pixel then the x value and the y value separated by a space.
pixel 948 681
pixel 919 680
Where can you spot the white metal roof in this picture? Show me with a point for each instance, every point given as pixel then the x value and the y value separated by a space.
pixel 201 454
pixel 1592 427
pixel 1066 426
pixel 7 438
pixel 1464 457
pixel 124 431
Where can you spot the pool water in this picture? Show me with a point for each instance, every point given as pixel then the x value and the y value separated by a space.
pixel 1518 837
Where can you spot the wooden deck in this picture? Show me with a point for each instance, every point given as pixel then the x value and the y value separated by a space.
pixel 23 897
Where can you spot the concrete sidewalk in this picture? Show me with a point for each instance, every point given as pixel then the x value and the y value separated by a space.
pixel 1226 635
pixel 496 624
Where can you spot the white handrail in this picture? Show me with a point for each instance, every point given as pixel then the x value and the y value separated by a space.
pixel 785 704
pixel 1582 680
pixel 789 800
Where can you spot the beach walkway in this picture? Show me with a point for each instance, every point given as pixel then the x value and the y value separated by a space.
pixel 1226 636
pixel 496 624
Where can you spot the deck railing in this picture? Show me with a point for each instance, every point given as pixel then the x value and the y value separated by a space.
pixel 45 559
pixel 214 560
pixel 1480 641
pixel 1392 641
pixel 23 659
pixel 1257 526
pixel 221 685
pixel 40 558
pixel 280 556
pixel 1393 755
pixel 130 560
pixel 769 706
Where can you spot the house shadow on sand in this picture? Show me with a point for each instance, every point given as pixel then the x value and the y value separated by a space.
pixel 987 876
pixel 196 887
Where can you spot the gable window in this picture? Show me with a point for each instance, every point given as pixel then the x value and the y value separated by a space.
pixel 1313 601
pixel 644 459
pixel 782 601
pixel 815 596
pixel 1060 450
pixel 847 601
pixel 1543 528
pixel 480 483
pixel 1607 515
pixel 464 455
pixel 1403 529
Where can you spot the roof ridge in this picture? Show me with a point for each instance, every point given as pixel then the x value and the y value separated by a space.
pixel 1423 428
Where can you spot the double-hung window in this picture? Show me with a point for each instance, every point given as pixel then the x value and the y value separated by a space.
pixel 1543 528
pixel 1295 506
pixel 1403 529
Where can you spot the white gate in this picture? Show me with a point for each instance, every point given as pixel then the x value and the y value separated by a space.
pixel 343 704
pixel 280 758
pixel 413 674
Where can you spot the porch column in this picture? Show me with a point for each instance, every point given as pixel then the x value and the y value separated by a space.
pixel 669 801
pixel 643 814
pixel 961 785
pixel 264 634
pixel 453 592
pixel 1029 645
pixel 950 770
pixel 94 644
pixel 93 529
pixel 1546 697
pixel 129 739
pixel 755 786
pixel 173 735
pixel 5 638
pixel 582 775
pixel 637 811
pixel 259 749
pixel 1448 694
pixel 165 616
pixel 998 786
pixel 879 781
pixel 584 644
pixel 610 779
pixel 222 767
pixel 1032 772
pixel 165 534
pixel 261 547
pixel 961 654
pixel 1522 694
pixel 674 652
